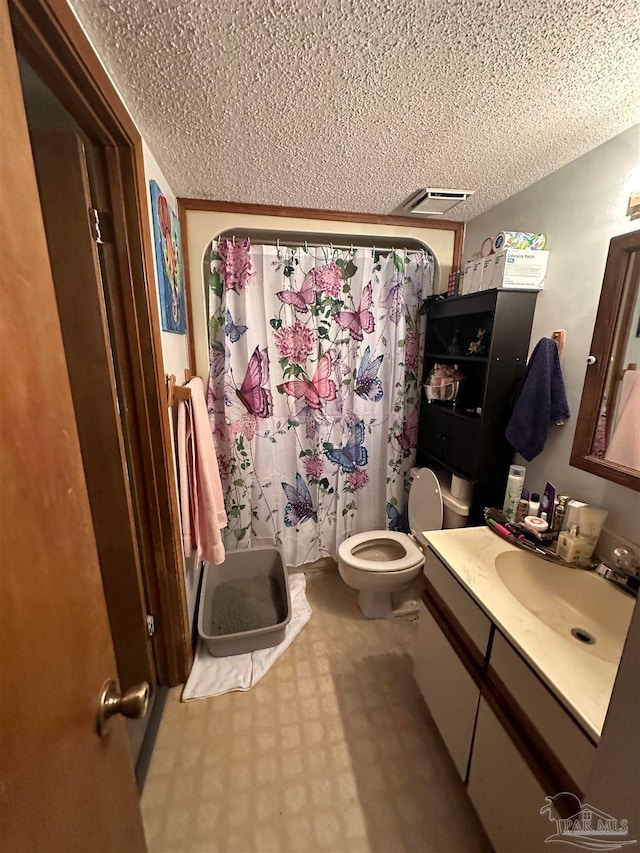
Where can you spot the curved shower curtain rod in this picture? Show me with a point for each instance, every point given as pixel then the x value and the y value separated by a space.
pixel 292 239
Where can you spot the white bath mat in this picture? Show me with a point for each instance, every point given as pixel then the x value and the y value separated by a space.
pixel 213 676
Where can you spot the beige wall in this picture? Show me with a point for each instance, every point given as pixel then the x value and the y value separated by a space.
pixel 580 208
pixel 203 226
pixel 174 355
pixel 174 347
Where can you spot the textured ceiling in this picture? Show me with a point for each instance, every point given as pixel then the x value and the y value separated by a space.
pixel 355 104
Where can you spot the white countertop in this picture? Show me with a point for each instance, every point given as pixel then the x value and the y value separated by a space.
pixel 582 681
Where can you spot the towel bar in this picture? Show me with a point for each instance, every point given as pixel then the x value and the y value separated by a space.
pixel 176 392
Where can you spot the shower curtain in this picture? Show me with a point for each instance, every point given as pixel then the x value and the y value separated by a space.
pixel 314 390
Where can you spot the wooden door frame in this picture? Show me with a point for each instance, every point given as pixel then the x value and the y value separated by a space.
pixel 51 39
pixel 62 172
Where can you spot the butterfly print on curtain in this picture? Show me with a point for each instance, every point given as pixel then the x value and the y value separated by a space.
pixel 234 331
pixel 320 388
pixel 256 399
pixel 300 506
pixel 361 320
pixel 300 300
pixel 354 453
pixel 368 386
pixel 317 439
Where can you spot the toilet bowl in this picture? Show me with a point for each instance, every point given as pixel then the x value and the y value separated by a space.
pixel 382 563
pixel 378 564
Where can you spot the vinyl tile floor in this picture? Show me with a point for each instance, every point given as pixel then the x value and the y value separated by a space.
pixel 334 750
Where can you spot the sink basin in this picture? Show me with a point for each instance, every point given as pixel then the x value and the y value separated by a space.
pixel 576 604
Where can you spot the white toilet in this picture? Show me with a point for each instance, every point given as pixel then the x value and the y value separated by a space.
pixel 380 563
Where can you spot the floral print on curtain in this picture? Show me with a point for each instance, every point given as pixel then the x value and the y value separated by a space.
pixel 314 390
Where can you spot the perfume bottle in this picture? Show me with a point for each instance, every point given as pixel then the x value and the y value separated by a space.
pixel 559 513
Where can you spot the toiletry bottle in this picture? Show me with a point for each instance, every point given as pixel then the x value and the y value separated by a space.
pixel 534 504
pixel 515 482
pixel 570 544
pixel 563 546
pixel 572 514
pixel 591 523
pixel 559 513
pixel 546 504
pixel 523 507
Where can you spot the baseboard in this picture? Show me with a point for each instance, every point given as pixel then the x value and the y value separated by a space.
pixel 149 740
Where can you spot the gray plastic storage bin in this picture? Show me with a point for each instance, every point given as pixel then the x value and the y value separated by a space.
pixel 265 565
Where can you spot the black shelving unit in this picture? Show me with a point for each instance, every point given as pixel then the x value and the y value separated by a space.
pixel 451 358
pixel 467 437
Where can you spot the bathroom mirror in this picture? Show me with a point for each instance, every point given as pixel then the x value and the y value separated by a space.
pixel 607 438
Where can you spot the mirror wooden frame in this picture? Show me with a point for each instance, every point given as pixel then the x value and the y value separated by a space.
pixel 611 301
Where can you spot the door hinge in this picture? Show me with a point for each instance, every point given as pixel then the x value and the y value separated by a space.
pixel 101 229
pixel 151 625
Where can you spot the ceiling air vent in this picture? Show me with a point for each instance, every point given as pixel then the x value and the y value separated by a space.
pixel 434 201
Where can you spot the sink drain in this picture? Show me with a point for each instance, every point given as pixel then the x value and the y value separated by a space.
pixel 583 636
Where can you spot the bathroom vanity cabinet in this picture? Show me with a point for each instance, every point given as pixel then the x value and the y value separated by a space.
pixel 512 741
pixel 442 667
pixel 467 436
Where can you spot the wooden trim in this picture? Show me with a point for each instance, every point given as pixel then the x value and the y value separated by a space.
pixel 542 762
pixel 50 36
pixel 621 335
pixel 319 213
pixel 173 638
pixel 611 299
pixel 52 41
pixel 607 470
pixel 458 242
pixel 182 219
pixel 203 204
pixel 61 169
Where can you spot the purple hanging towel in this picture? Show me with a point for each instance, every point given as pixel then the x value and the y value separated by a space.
pixel 541 400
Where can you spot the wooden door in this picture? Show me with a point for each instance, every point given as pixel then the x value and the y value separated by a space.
pixel 66 202
pixel 62 786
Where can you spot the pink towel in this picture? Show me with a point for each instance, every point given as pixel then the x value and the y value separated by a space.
pixel 201 500
pixel 624 444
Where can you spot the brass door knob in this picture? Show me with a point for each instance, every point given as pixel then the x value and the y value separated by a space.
pixel 133 703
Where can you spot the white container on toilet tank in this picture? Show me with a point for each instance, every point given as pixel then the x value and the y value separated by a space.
pixel 461 488
pixel 456 497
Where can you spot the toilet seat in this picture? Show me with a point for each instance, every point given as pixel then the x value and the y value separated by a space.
pixel 382 564
pixel 413 555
